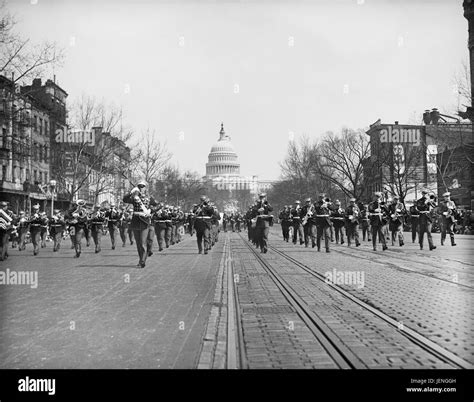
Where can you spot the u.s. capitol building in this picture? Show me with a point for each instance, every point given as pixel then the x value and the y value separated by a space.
pixel 223 169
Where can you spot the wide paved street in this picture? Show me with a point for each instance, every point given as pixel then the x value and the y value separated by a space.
pixel 234 308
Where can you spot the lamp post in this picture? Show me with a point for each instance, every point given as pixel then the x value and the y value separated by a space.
pixel 52 184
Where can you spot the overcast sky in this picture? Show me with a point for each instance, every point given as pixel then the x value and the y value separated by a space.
pixel 351 63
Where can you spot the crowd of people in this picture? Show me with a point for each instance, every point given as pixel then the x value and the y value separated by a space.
pixel 140 218
pixel 380 221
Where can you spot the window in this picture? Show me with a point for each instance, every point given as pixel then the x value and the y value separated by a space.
pixel 40 177
pixel 4 172
pixel 35 175
pixel 41 126
pixel 14 174
pixel 46 177
pixel 22 175
pixel 27 175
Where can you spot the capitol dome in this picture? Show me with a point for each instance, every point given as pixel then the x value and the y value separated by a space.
pixel 222 160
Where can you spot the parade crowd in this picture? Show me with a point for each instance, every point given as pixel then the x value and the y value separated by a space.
pixel 140 218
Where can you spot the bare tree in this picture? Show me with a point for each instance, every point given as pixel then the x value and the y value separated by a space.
pixel 150 156
pixel 20 58
pixel 339 159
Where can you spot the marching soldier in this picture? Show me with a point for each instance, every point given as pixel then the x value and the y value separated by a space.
pixel 425 207
pixel 56 228
pixel 180 222
pixel 414 221
pixel 365 222
pixel 6 228
pixel 448 211
pixel 323 223
pixel 378 219
pixel 141 220
pixel 352 222
pixel 396 211
pixel 113 219
pixel 232 221
pixel 261 212
pixel 123 225
pixel 22 230
pixel 225 217
pixel 215 226
pixel 238 221
pixel 163 225
pixel 337 218
pixel 248 219
pixel 44 228
pixel 37 222
pixel 285 222
pixel 97 223
pixel 308 223
pixel 295 216
pixel 191 218
pixel 129 224
pixel 202 223
pixel 78 221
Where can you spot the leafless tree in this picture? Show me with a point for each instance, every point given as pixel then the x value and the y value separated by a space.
pixel 20 59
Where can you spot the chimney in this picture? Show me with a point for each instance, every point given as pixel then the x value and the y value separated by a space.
pixel 434 116
pixel 37 83
pixel 427 117
pixel 396 122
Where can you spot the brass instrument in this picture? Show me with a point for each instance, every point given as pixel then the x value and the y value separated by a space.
pixel 146 211
pixel 355 215
pixel 309 214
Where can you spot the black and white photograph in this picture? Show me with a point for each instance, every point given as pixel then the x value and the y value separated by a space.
pixel 260 200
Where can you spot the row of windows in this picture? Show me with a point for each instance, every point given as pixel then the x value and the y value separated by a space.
pixel 21 174
pixel 40 152
pixel 40 125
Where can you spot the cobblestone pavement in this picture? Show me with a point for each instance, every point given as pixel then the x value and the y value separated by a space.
pixel 429 292
pixel 100 311
pixel 411 294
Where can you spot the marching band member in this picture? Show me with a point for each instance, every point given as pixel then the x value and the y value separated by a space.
pixel 365 222
pixel 162 222
pixel 264 220
pixel 123 225
pixel 396 211
pixel 307 222
pixel 37 222
pixel 425 207
pixel 129 224
pixel 97 223
pixel 225 218
pixel 77 219
pixel 248 219
pixel 414 221
pixel 112 217
pixel 448 211
pixel 203 215
pixel 323 223
pixel 180 221
pixel 352 222
pixel 216 217
pixel 295 216
pixel 141 220
pixel 6 228
pixel 284 218
pixel 378 219
pixel 56 228
pixel 337 218
pixel 44 228
pixel 23 227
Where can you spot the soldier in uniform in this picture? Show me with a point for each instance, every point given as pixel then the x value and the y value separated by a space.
pixel 23 228
pixel 78 219
pixel 202 223
pixel 57 225
pixel 323 222
pixel 261 212
pixel 248 219
pixel 97 223
pixel 448 211
pixel 6 227
pixel 162 221
pixel 113 219
pixel 308 223
pixel 44 228
pixel 123 225
pixel 365 222
pixel 337 218
pixel 141 219
pixel 225 217
pixel 215 226
pixel 191 219
pixel 295 216
pixel 36 222
pixel 414 221
pixel 284 218
pixel 238 221
pixel 352 222
pixel 396 211
pixel 378 218
pixel 425 207
pixel 129 224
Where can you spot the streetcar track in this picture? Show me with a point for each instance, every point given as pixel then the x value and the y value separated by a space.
pixel 412 335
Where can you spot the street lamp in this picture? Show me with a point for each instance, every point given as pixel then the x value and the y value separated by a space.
pixel 52 184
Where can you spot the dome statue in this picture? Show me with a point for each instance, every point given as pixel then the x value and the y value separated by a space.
pixel 222 160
